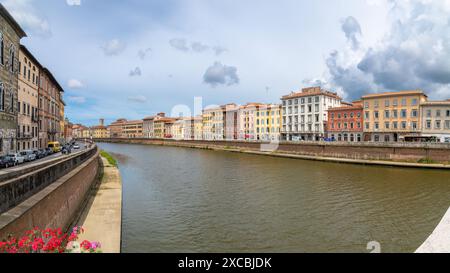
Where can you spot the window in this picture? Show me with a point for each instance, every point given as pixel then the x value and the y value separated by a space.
pixel 387 103
pixel 12 57
pixel 404 113
pixel 2 49
pixel 414 102
pixel 367 114
pixel 428 113
pixel 366 105
pixel 2 97
pixel 438 113
pixel 395 113
pixel 386 125
pixel 376 114
pixel 414 113
pixel 428 124
pixel 386 114
pixel 403 124
pixel 438 124
pixel 403 102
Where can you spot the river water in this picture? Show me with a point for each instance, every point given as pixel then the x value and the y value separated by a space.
pixel 188 200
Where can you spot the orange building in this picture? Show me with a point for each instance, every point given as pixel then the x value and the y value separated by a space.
pixel 345 123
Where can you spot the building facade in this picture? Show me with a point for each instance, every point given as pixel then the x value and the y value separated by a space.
pixel 436 120
pixel 116 128
pixel 393 116
pixel 246 121
pixel 268 122
pixel 345 123
pixel 148 125
pixel 132 129
pixel 50 96
pixel 27 106
pixel 231 121
pixel 10 35
pixel 214 123
pixel 305 114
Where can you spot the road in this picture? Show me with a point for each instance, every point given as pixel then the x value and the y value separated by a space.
pixel 43 160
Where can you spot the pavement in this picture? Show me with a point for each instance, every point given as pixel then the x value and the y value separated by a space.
pixel 439 240
pixel 102 217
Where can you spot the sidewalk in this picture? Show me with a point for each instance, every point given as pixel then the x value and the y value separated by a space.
pixel 102 218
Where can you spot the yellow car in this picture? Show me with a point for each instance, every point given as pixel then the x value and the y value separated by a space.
pixel 55 146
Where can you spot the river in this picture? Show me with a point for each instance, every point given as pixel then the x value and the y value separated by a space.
pixel 189 200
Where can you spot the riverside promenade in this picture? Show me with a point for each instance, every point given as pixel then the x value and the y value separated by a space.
pixel 439 240
pixel 102 216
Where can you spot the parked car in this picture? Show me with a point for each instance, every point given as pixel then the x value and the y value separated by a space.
pixel 48 151
pixel 28 155
pixel 66 149
pixel 17 158
pixel 6 162
pixel 39 154
pixel 76 147
pixel 55 146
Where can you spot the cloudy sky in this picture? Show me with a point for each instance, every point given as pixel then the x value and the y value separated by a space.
pixel 135 58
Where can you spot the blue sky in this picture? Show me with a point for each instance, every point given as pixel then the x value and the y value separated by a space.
pixel 135 58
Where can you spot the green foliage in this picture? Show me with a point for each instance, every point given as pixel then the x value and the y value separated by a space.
pixel 109 157
pixel 427 161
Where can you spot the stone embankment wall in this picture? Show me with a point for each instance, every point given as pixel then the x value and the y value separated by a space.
pixel 49 197
pixel 402 152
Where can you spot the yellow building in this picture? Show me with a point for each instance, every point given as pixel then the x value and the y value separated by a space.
pixel 86 132
pixel 213 120
pixel 100 132
pixel 162 127
pixel 393 116
pixel 132 129
pixel 268 122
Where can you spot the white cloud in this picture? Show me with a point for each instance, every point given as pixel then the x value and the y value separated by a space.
pixel 73 2
pixel 75 84
pixel 27 16
pixel 114 47
pixel 219 74
pixel 415 54
pixel 138 99
pixel 144 52
pixel 135 72
pixel 77 99
pixel 179 44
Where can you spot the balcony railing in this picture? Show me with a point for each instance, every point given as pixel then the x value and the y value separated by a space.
pixel 24 136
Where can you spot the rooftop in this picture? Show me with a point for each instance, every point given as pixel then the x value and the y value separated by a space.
pixel 311 91
pixel 397 93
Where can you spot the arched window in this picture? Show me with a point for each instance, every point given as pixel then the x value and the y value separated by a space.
pixel 1 49
pixel 12 56
pixel 11 104
pixel 2 97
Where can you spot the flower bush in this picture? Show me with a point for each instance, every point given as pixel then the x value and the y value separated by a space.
pixel 49 241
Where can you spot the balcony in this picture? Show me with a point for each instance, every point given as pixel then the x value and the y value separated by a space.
pixel 24 136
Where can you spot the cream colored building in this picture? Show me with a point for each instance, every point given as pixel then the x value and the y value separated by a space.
pixel 268 122
pixel 193 128
pixel 178 129
pixel 132 129
pixel 27 106
pixel 213 123
pixel 148 125
pixel 162 127
pixel 392 116
pixel 305 113
pixel 436 120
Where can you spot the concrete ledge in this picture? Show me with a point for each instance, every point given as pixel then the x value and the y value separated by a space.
pixel 102 217
pixel 439 240
pixel 55 205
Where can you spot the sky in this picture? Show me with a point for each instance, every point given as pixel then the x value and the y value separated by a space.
pixel 135 58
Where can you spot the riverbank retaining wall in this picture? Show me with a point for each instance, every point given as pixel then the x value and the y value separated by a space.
pixel 49 197
pixel 402 152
